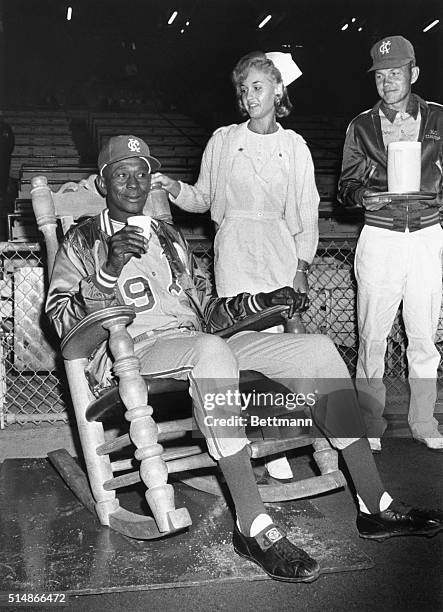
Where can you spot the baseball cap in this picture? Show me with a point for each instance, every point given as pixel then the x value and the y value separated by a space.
pixel 123 147
pixel 391 52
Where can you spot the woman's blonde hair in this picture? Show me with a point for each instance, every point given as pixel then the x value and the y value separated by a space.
pixel 258 60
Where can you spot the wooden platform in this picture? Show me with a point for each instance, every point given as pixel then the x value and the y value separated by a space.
pixel 50 542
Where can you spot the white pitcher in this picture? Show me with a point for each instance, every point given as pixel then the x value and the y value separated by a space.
pixel 404 166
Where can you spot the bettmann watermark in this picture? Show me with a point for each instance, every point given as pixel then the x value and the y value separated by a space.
pixel 254 420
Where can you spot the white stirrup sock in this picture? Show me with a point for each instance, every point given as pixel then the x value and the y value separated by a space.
pixel 385 502
pixel 258 524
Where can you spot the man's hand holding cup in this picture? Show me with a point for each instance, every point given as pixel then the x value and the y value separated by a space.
pixel 131 241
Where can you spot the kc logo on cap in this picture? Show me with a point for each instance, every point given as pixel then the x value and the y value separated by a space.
pixel 119 148
pixel 385 47
pixel 134 145
pixel 391 52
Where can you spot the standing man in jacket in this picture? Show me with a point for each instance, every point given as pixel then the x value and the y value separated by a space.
pixel 398 256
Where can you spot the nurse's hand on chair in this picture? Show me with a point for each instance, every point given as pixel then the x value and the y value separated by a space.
pixel 297 301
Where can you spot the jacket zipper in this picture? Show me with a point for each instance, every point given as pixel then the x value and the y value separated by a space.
pixel 371 171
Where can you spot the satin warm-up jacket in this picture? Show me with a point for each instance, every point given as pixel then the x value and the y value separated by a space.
pixel 75 293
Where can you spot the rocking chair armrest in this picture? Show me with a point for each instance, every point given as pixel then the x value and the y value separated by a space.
pixel 89 333
pixel 256 322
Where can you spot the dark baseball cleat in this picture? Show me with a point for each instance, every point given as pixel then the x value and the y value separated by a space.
pixel 399 520
pixel 276 555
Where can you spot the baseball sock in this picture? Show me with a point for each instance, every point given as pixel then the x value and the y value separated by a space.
pixel 371 492
pixel 239 477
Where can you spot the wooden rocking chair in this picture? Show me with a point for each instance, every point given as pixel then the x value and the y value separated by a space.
pixel 146 435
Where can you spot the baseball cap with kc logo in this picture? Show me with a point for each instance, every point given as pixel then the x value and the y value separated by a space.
pixel 122 147
pixel 391 52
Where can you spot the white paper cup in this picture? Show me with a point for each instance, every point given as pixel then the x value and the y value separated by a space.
pixel 404 166
pixel 142 221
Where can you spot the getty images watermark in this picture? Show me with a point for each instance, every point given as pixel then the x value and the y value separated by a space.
pixel 225 403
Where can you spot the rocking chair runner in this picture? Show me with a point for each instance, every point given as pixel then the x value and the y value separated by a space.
pixel 145 434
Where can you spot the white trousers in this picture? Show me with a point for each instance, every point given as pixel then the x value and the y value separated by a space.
pixel 392 267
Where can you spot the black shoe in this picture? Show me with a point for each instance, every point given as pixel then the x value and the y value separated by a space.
pixel 276 555
pixel 399 520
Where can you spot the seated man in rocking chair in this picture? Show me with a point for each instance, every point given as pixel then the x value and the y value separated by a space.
pixel 105 261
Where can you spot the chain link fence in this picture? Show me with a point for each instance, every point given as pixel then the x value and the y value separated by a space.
pixel 33 388
pixel 32 383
